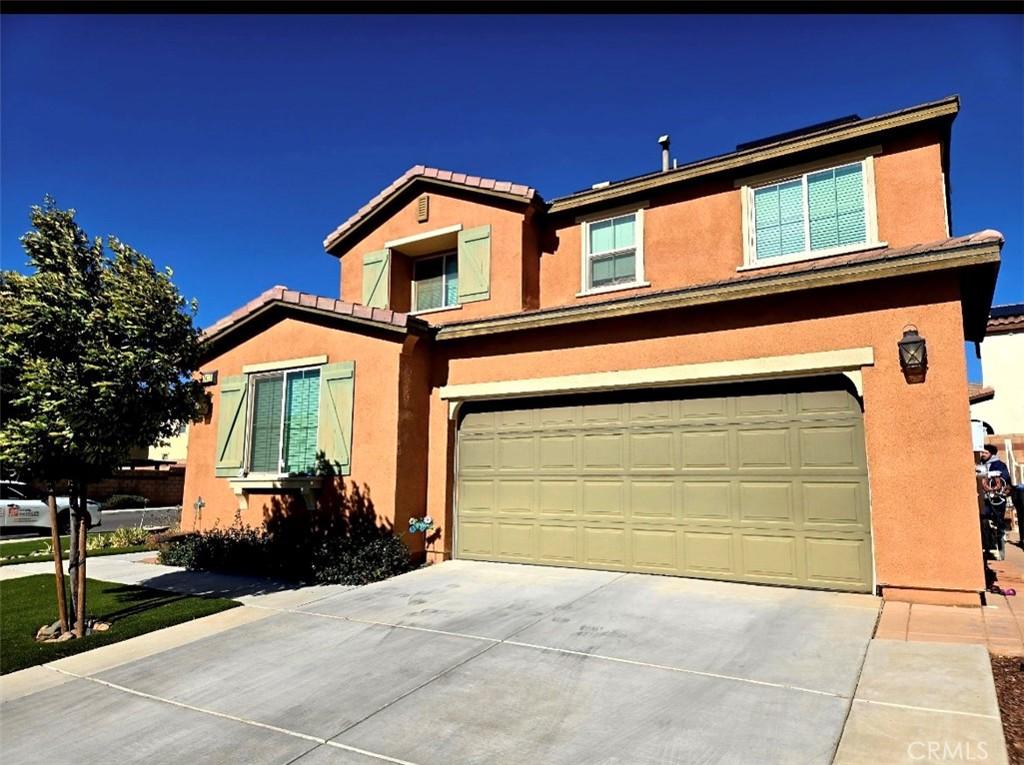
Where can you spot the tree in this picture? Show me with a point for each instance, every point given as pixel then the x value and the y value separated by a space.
pixel 98 353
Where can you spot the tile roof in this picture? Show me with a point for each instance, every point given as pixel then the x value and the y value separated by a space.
pixel 281 294
pixel 1005 318
pixel 418 172
pixel 977 392
pixel 877 255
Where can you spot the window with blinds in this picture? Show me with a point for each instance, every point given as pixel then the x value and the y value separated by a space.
pixel 818 211
pixel 436 282
pixel 283 421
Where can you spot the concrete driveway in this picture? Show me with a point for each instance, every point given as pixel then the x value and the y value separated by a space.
pixel 484 663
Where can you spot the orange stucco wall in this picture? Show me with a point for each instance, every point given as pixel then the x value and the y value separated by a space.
pixel 692 234
pixel 375 427
pixel 695 235
pixel 924 505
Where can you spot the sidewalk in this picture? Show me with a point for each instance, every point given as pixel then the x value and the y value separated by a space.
pixel 132 568
pixel 999 625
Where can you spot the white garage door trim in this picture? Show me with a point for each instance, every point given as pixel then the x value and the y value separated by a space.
pixel 848 361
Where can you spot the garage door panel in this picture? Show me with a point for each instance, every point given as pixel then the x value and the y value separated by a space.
pixel 815 402
pixel 651 499
pixel 476 454
pixel 707 408
pixel 767 502
pixel 764 404
pixel 476 496
pixel 833 503
pixel 557 453
pixel 476 538
pixel 655 550
pixel 707 500
pixel 838 562
pixel 604 498
pixel 769 557
pixel 515 496
pixel 516 540
pixel 515 418
pixel 764 448
pixel 604 452
pixel 651 411
pixel 764 483
pixel 704 450
pixel 515 453
pixel 708 552
pixel 558 416
pixel 605 547
pixel 558 543
pixel 831 446
pixel 652 451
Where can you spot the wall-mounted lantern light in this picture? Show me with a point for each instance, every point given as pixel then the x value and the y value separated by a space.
pixel 913 355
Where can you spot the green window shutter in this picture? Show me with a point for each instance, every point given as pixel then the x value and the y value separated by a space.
pixel 231 426
pixel 302 405
pixel 336 402
pixel 265 429
pixel 377 279
pixel 475 264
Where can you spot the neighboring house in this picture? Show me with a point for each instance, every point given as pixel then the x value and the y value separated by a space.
pixel 1002 371
pixel 691 372
pixel 173 449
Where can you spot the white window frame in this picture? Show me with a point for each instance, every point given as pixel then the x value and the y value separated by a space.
pixel 585 257
pixel 749 186
pixel 444 282
pixel 251 394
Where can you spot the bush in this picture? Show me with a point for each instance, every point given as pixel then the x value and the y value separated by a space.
pixel 126 537
pixel 339 540
pixel 362 563
pixel 124 502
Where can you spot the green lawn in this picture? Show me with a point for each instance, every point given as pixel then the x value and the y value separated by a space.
pixel 29 602
pixel 32 550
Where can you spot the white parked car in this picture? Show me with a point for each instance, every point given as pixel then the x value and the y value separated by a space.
pixel 22 507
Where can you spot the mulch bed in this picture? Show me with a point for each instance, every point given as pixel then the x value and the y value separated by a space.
pixel 1008 672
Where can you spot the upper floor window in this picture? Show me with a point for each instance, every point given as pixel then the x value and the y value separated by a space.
pixel 435 282
pixel 613 252
pixel 813 214
pixel 283 421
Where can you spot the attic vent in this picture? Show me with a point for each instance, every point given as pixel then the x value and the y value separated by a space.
pixel 601 185
pixel 422 209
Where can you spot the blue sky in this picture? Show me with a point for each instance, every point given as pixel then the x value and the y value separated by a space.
pixel 228 146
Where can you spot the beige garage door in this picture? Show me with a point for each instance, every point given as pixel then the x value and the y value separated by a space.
pixel 755 484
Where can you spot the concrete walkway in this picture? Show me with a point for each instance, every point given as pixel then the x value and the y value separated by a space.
pixel 132 568
pixel 924 702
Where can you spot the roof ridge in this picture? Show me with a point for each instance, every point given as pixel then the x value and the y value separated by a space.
pixel 436 174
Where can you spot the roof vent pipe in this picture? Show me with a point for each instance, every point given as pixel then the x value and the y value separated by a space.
pixel 664 141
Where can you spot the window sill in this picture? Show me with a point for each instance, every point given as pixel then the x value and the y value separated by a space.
pixel 268 481
pixel 457 307
pixel 301 484
pixel 613 288
pixel 815 255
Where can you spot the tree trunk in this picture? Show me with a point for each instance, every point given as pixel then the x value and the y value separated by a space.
pixel 73 552
pixel 83 524
pixel 58 562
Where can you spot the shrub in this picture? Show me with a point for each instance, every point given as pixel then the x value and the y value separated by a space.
pixel 129 536
pixel 362 562
pixel 338 541
pixel 126 537
pixel 124 501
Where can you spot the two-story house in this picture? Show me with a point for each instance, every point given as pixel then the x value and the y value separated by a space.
pixel 693 372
